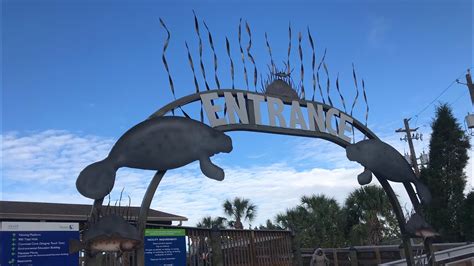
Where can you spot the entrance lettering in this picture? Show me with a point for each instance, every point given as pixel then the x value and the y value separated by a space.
pixel 239 109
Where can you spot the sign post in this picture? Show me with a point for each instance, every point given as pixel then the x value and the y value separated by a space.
pixel 165 247
pixel 37 243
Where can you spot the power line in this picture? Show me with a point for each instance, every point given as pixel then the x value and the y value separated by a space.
pixel 440 94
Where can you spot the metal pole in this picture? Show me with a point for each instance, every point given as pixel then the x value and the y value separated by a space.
pixel 470 86
pixel 408 131
pixel 143 214
pixel 408 187
pixel 401 220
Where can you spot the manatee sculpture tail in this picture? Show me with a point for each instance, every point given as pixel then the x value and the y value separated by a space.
pixel 423 192
pixel 97 179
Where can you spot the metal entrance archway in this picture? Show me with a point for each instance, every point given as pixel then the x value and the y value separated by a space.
pixel 259 127
pixel 241 112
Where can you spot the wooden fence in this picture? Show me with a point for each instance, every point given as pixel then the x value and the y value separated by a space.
pixel 238 247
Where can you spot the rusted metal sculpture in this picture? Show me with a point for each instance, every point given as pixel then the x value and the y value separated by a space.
pixel 111 233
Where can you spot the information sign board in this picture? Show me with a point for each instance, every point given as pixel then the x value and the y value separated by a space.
pixel 165 247
pixel 37 243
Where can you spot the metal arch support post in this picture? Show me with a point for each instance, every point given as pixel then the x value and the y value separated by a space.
pixel 401 220
pixel 428 245
pixel 357 124
pixel 96 206
pixel 143 214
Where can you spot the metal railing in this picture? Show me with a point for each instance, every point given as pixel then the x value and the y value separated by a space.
pixel 373 255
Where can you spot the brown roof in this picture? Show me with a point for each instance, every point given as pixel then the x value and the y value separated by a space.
pixel 19 210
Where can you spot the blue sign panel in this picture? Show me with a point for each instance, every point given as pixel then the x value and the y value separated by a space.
pixel 37 244
pixel 165 247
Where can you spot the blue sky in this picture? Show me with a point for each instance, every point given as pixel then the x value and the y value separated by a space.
pixel 77 74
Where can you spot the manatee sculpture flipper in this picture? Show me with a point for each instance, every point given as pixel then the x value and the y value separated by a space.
pixel 365 177
pixel 210 170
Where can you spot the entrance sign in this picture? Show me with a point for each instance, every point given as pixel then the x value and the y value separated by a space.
pixel 330 121
pixel 233 109
pixel 39 244
pixel 165 247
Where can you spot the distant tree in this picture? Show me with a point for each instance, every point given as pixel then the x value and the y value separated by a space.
pixel 239 210
pixel 467 217
pixel 270 226
pixel 316 222
pixel 325 220
pixel 292 219
pixel 369 218
pixel 444 174
pixel 209 222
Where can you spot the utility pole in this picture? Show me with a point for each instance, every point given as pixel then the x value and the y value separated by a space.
pixel 469 84
pixel 409 137
pixel 470 117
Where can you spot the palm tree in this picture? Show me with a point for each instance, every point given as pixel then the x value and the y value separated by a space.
pixel 239 209
pixel 209 222
pixel 270 226
pixel 316 221
pixel 369 216
pixel 293 219
pixel 324 220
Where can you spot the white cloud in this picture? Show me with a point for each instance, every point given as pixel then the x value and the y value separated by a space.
pixel 43 166
pixel 273 188
pixel 49 155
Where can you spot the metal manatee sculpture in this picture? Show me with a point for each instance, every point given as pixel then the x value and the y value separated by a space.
pixel 159 143
pixel 110 233
pixel 385 162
